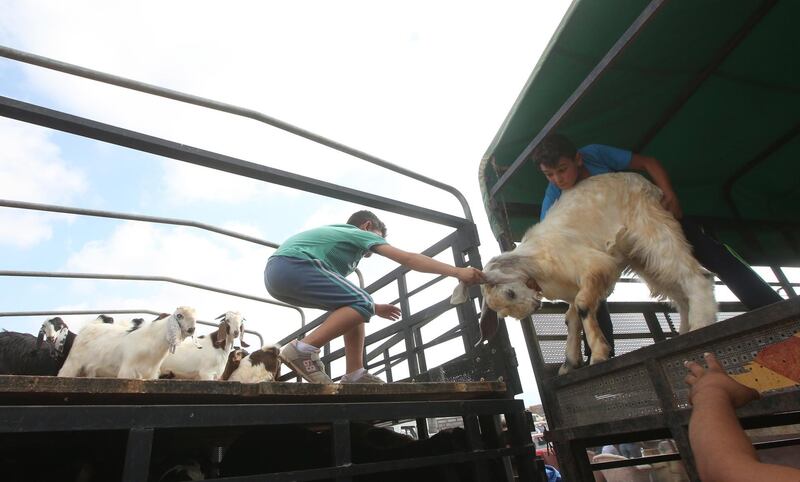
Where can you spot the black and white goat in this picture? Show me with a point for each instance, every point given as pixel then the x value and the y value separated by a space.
pixel 603 226
pixel 206 361
pixel 22 354
pixel 117 350
pixel 260 366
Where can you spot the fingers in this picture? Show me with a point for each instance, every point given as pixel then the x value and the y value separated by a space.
pixel 712 362
pixel 694 368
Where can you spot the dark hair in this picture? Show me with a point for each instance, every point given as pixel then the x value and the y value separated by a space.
pixel 361 217
pixel 552 148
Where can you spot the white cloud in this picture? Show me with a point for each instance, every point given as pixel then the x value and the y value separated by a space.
pixel 32 170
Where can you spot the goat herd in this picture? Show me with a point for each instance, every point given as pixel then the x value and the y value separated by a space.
pixel 162 348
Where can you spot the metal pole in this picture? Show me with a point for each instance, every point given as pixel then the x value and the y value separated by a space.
pixel 133 217
pixel 125 277
pixel 98 76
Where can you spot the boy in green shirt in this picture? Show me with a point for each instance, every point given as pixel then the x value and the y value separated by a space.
pixel 309 270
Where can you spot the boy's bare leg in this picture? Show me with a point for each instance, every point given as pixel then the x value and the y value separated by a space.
pixel 354 348
pixel 341 322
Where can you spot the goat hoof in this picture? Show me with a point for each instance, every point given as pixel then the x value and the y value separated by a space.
pixel 597 359
pixel 568 366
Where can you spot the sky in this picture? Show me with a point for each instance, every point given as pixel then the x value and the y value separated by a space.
pixel 425 85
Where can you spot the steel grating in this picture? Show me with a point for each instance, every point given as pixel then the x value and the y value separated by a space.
pixel 621 395
pixel 735 354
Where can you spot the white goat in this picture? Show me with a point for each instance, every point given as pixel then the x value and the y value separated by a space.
pixel 260 366
pixel 206 361
pixel 103 350
pixel 604 225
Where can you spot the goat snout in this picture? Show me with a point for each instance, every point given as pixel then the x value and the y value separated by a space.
pixel 190 330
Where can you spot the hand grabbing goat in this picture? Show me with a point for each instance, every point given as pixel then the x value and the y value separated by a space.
pixel 603 226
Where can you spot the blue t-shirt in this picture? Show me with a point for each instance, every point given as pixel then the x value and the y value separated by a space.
pixel 598 159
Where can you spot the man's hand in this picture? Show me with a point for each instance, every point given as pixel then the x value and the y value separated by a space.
pixel 670 202
pixel 470 275
pixel 714 382
pixel 390 312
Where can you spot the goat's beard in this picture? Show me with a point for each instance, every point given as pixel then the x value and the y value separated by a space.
pixel 174 333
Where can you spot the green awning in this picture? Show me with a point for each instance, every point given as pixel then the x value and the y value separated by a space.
pixel 710 88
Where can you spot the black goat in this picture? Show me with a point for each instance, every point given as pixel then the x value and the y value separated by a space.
pixel 19 355
pixel 23 354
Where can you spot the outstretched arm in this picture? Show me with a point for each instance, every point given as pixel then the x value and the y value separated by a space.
pixel 721 448
pixel 661 179
pixel 425 264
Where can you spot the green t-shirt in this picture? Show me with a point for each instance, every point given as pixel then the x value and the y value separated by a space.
pixel 339 246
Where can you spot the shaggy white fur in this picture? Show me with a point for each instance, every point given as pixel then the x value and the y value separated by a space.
pixel 125 351
pixel 596 230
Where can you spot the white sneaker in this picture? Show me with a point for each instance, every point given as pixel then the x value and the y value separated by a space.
pixel 307 365
pixel 366 377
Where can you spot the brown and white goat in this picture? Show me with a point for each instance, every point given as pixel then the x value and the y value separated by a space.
pixel 603 226
pixel 206 361
pixel 260 366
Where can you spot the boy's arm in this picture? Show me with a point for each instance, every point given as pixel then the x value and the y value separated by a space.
pixel 420 262
pixel 722 450
pixel 661 179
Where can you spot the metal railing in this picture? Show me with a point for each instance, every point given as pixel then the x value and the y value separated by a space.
pixel 86 73
pixel 462 243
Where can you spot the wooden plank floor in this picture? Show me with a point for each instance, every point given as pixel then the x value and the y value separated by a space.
pixel 32 390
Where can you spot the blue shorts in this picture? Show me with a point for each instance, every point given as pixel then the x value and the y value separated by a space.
pixel 310 284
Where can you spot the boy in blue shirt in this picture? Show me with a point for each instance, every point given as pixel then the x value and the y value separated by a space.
pixel 564 166
pixel 309 270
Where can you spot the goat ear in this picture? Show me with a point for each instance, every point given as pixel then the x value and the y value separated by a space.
pixel 488 323
pixel 40 338
pixel 241 335
pixel 219 338
pixel 532 284
pixel 460 294
pixel 220 317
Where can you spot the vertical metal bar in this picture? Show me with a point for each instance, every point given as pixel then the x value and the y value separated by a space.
pixel 492 434
pixel 784 281
pixel 137 455
pixel 680 434
pixel 423 364
pixel 388 365
pixel 655 327
pixel 422 429
pixel 475 442
pixel 342 450
pixel 664 393
pixel 405 309
pixel 326 350
pixel 466 312
pixel 521 436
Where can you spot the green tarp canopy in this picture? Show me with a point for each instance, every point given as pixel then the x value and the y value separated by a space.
pixel 710 88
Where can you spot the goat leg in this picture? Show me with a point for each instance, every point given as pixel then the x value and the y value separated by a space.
pixel 574 359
